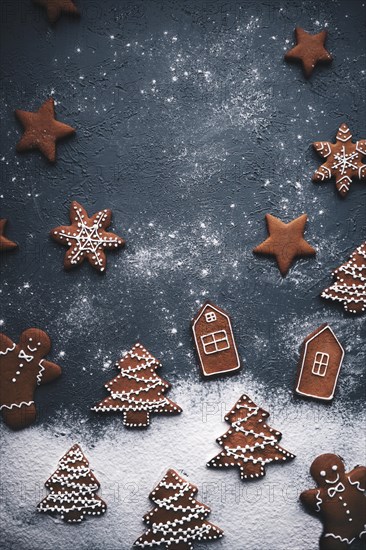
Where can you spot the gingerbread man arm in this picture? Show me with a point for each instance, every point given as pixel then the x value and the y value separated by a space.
pixel 358 477
pixel 50 372
pixel 5 344
pixel 311 499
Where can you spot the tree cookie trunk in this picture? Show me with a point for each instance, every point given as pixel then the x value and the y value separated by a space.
pixel 136 418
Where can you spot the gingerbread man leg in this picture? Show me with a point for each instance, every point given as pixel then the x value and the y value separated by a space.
pixel 19 417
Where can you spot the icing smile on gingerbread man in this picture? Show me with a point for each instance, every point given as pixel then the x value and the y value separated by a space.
pixel 323 473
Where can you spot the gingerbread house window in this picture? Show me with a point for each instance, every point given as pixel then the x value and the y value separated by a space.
pixel 321 362
pixel 215 342
pixel 210 317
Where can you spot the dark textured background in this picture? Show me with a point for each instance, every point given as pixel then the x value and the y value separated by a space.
pixel 190 127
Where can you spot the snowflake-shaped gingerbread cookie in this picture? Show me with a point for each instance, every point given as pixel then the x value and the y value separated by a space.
pixel 87 237
pixel 343 160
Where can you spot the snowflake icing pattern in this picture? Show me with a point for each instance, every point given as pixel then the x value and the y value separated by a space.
pixel 87 237
pixel 343 160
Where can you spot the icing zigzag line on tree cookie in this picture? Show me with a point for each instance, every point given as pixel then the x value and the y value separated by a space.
pixel 73 499
pixel 178 520
pixel 350 285
pixel 137 391
pixel 259 438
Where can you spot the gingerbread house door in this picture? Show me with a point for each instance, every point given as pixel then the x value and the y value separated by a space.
pixel 214 341
pixel 319 366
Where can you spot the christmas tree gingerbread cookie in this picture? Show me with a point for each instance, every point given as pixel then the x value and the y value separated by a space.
pixel 22 368
pixel 350 283
pixel 178 520
pixel 73 486
pixel 138 391
pixel 339 500
pixel 250 443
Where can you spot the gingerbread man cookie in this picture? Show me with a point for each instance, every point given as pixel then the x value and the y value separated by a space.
pixel 339 499
pixel 22 368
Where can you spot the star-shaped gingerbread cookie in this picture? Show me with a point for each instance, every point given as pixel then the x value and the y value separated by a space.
pixel 286 241
pixel 42 130
pixel 309 50
pixel 56 7
pixel 343 160
pixel 5 243
pixel 87 237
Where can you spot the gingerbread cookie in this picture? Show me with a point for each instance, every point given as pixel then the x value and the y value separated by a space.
pixel 350 283
pixel 320 361
pixel 138 391
pixel 42 130
pixel 178 520
pixel 250 443
pixel 56 7
pixel 87 237
pixel 22 368
pixel 343 160
pixel 286 242
pixel 5 243
pixel 73 486
pixel 214 339
pixel 340 501
pixel 309 50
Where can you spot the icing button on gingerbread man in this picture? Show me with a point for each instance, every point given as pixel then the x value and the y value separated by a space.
pixel 22 368
pixel 339 499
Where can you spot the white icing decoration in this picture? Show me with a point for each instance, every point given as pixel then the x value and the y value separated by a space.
pixel 25 403
pixel 88 239
pixel 319 501
pixel 332 491
pixel 138 399
pixel 342 160
pixel 244 454
pixel 7 350
pixel 357 485
pixel 308 341
pixel 178 529
pixel 77 485
pixel 354 293
pixel 338 537
pixel 219 314
pixel 41 370
pixel 23 355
